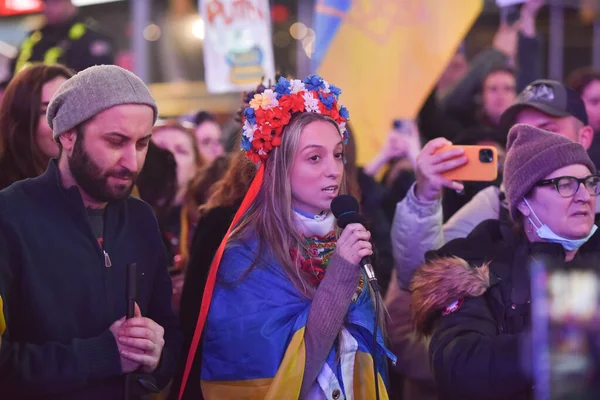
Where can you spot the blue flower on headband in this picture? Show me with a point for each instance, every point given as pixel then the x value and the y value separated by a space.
pixel 327 99
pixel 345 138
pixel 249 114
pixel 282 87
pixel 246 145
pixel 344 113
pixel 314 82
pixel 335 90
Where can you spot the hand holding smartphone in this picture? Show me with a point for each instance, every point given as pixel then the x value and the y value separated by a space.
pixel 481 166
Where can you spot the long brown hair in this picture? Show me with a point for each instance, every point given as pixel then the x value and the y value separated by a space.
pixel 20 155
pixel 232 188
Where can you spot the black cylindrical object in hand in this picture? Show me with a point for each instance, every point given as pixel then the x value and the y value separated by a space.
pixel 131 289
pixel 131 293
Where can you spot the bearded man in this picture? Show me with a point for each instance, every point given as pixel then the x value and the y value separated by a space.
pixel 66 239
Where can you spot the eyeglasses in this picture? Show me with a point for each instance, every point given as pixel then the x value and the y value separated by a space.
pixel 567 186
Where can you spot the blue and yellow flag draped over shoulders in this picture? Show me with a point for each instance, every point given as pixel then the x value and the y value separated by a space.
pixel 254 337
pixel 387 55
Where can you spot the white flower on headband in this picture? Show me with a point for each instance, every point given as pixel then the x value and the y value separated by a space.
pixel 296 86
pixel 248 130
pixel 311 104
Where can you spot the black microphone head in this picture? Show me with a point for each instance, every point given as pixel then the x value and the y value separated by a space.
pixel 345 210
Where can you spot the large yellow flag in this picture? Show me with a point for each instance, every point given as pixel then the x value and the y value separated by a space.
pixel 386 55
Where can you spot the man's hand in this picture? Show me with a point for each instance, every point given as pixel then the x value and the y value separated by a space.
pixel 142 340
pixel 126 364
pixel 430 166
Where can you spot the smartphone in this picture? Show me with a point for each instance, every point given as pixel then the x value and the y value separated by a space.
pixel 481 166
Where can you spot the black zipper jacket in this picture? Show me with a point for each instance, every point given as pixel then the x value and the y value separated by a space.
pixel 61 291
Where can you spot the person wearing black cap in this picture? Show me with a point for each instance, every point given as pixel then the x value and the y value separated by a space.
pixel 552 106
pixel 66 38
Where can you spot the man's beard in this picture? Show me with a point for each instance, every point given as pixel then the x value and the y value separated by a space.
pixel 93 181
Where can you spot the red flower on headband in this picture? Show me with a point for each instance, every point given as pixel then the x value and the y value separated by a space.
pixel 293 102
pixel 272 109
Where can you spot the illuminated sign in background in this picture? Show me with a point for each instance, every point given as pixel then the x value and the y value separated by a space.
pixel 16 7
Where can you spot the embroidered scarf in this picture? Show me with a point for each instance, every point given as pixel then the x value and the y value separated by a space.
pixel 319 233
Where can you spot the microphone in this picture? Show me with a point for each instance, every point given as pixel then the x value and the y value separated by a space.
pixel 345 210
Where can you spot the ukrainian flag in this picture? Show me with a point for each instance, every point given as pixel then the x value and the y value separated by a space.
pixel 254 338
pixel 387 56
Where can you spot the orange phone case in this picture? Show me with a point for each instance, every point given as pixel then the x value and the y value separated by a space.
pixel 474 170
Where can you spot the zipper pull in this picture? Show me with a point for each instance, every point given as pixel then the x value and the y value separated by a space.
pixel 107 262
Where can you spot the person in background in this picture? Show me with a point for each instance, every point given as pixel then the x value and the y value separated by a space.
pixel 178 222
pixel 473 297
pixel 201 187
pixel 485 90
pixel 179 139
pixel 66 39
pixel 208 136
pixel 66 240
pixel 157 182
pixel 586 82
pixel 26 143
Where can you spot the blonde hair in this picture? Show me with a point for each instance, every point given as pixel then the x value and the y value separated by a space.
pixel 271 214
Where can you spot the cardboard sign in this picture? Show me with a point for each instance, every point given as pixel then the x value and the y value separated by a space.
pixel 238 50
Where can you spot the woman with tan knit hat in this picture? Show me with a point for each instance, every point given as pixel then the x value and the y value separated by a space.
pixel 472 295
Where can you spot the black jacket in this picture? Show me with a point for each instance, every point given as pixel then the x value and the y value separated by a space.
pixel 210 230
pixel 60 297
pixel 80 48
pixel 476 348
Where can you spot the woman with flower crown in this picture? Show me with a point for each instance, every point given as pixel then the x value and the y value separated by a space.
pixel 286 312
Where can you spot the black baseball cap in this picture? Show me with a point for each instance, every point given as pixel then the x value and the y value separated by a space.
pixel 550 97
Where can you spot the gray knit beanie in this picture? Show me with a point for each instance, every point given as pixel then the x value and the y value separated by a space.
pixel 92 91
pixel 532 155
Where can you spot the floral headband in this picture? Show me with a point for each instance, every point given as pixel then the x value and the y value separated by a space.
pixel 271 110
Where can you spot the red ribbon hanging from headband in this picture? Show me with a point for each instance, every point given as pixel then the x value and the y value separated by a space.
pixel 212 275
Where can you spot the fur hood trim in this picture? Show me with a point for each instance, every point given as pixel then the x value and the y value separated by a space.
pixel 440 282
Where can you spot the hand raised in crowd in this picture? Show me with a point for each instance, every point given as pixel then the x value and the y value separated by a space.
pixel 506 39
pixel 354 244
pixel 430 166
pixel 140 341
pixel 399 143
pixel 529 12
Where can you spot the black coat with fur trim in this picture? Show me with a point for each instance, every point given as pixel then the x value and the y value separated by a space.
pixel 476 343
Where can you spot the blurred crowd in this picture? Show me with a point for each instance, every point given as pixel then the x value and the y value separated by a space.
pixel 195 178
